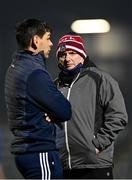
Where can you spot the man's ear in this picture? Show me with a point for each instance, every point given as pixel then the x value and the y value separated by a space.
pixel 34 42
pixel 82 60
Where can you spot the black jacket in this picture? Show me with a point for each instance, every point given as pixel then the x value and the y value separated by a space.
pixel 30 93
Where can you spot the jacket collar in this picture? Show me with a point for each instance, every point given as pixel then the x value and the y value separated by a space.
pixel 88 63
pixel 26 54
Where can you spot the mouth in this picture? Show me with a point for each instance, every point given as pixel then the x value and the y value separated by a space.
pixel 68 64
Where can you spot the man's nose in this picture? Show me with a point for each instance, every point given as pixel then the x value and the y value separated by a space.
pixel 67 57
pixel 51 44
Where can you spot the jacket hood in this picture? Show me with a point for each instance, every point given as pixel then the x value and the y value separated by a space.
pixel 88 63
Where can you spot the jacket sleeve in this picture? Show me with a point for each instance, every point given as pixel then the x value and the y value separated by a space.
pixel 45 95
pixel 115 115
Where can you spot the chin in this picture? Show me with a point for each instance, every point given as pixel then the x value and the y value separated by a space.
pixel 69 68
pixel 46 56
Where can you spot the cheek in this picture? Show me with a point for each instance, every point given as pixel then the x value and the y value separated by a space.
pixel 61 62
pixel 40 45
pixel 77 61
pixel 43 44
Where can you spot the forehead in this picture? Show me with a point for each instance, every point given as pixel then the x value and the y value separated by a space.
pixel 68 51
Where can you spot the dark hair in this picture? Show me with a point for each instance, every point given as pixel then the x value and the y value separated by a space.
pixel 26 29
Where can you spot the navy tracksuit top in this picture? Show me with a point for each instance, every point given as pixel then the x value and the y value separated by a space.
pixel 29 94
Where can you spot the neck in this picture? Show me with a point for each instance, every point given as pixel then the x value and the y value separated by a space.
pixel 35 51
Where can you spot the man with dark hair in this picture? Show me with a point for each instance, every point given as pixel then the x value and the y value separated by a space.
pixel 30 94
pixel 98 113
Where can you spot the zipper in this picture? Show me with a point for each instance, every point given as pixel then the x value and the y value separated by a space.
pixel 65 125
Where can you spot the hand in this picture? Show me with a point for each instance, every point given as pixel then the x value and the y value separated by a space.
pixel 97 151
pixel 47 117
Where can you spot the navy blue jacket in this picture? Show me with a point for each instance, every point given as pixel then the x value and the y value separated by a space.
pixel 29 94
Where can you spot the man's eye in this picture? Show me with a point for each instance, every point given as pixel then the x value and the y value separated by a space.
pixel 63 55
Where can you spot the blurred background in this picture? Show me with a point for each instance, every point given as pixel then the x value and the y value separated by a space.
pixel 111 51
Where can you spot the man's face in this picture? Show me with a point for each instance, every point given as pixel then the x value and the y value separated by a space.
pixel 44 44
pixel 70 59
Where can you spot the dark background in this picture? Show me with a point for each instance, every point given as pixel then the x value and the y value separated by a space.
pixel 111 52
